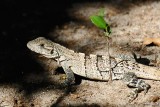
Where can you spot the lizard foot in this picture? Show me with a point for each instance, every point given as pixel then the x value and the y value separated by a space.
pixel 133 95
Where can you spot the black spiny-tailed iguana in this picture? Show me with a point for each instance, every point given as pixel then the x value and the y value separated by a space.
pixel 95 66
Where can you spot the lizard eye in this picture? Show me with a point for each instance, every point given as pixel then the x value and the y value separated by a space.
pixel 42 45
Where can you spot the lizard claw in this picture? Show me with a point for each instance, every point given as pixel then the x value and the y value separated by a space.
pixel 133 95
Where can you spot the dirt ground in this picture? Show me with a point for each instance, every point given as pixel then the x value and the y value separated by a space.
pixel 130 23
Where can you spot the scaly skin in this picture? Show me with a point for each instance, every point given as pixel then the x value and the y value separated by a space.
pixel 96 66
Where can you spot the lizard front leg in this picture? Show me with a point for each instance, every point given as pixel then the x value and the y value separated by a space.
pixel 132 81
pixel 65 64
pixel 70 78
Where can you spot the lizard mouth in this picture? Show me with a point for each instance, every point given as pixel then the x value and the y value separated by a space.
pixel 47 56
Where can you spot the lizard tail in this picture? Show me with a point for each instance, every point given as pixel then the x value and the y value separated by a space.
pixel 148 72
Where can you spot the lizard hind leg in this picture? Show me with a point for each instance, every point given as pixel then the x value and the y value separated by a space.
pixel 132 81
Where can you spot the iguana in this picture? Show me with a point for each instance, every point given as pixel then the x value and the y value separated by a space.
pixel 95 67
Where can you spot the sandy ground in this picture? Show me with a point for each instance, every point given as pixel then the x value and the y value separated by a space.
pixel 130 23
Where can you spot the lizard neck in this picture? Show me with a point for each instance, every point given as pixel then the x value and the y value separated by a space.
pixel 64 53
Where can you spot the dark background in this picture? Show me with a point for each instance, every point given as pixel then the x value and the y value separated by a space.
pixel 24 20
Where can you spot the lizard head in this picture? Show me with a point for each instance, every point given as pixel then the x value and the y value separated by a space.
pixel 43 46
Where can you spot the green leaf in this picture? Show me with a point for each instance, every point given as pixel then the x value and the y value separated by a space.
pixel 99 21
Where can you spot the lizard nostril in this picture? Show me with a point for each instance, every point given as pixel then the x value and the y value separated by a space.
pixel 51 51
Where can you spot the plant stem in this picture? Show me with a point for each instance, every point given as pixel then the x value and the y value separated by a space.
pixel 108 47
